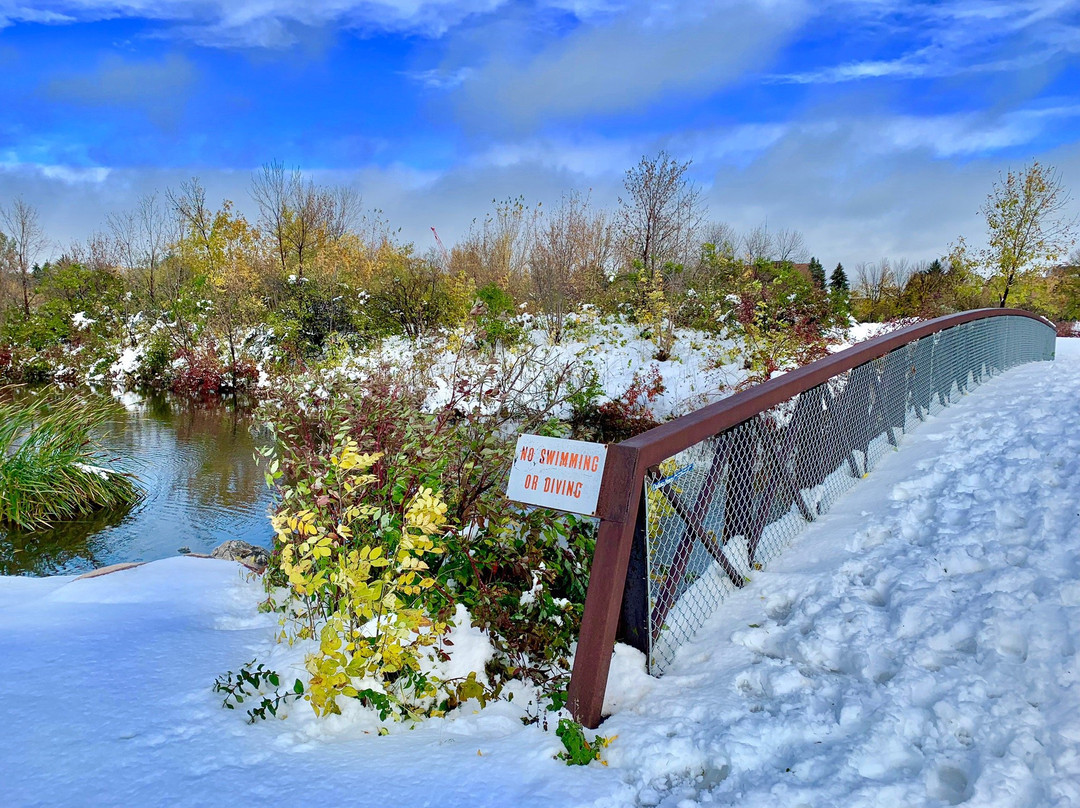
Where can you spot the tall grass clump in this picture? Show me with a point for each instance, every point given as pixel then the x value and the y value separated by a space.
pixel 50 468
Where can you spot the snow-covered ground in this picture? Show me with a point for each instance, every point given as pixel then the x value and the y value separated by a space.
pixel 703 367
pixel 916 646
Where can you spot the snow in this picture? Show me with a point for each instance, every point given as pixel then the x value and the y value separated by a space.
pixel 861 332
pixel 128 362
pixel 695 375
pixel 700 371
pixel 915 646
pixel 97 471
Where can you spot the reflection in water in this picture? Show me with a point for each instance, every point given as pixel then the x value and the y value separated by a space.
pixel 203 486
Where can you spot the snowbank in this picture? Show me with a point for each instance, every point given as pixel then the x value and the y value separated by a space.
pixel 916 646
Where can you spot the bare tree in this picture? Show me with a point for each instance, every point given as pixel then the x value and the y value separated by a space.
pixel 98 253
pixel 344 210
pixel 272 189
pixel 757 244
pixel 8 281
pixel 195 220
pixel 661 216
pixel 375 231
pixel 570 253
pixel 142 238
pixel 722 236
pixel 496 249
pixel 789 245
pixel 27 239
pixel 902 269
pixel 298 215
pixel 312 208
pixel 873 282
pixel 189 204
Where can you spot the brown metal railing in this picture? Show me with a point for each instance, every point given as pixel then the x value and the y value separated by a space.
pixel 614 608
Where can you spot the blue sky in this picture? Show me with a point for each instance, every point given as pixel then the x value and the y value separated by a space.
pixel 876 128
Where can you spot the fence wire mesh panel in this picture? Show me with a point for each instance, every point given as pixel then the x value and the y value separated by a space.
pixel 725 507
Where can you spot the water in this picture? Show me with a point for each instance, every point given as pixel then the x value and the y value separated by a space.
pixel 201 481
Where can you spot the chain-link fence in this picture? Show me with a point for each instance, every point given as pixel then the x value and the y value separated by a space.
pixel 725 507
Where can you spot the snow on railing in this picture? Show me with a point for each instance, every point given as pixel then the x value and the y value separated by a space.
pixel 689 510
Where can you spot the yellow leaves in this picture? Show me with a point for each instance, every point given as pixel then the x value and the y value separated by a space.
pixel 301 523
pixel 426 512
pixel 410 562
pixel 330 638
pixel 356 568
pixel 298 579
pixel 349 458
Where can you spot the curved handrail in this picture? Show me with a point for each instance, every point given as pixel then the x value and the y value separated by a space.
pixel 669 438
pixel 628 463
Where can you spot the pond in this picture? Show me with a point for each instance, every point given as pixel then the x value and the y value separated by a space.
pixel 202 484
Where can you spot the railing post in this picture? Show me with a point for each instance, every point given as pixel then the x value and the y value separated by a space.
pixel 620 492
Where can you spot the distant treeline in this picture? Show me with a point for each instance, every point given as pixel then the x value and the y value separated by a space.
pixel 180 278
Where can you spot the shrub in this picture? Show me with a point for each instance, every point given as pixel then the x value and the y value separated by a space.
pixel 22 365
pixel 621 417
pixel 356 572
pixel 1064 329
pixel 496 322
pixel 386 503
pixel 780 316
pixel 577 749
pixel 155 369
pixel 253 681
pixel 308 313
pixel 197 374
pixel 413 297
pixel 239 376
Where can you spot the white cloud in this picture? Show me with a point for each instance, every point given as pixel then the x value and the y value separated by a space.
pixel 69 175
pixel 959 134
pixel 593 156
pixel 645 54
pixel 949 39
pixel 258 23
pixel 438 79
pixel 73 175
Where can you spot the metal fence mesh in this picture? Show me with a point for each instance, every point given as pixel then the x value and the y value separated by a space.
pixel 727 506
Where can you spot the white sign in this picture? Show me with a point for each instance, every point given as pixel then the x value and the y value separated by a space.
pixel 557 473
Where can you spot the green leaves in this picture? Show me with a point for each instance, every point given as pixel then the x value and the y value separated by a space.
pixel 250 682
pixel 579 750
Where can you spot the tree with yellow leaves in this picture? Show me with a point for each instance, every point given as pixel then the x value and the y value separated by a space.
pixel 1028 228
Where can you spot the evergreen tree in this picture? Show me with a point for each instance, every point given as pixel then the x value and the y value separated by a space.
pixel 838 295
pixel 817 273
pixel 838 281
